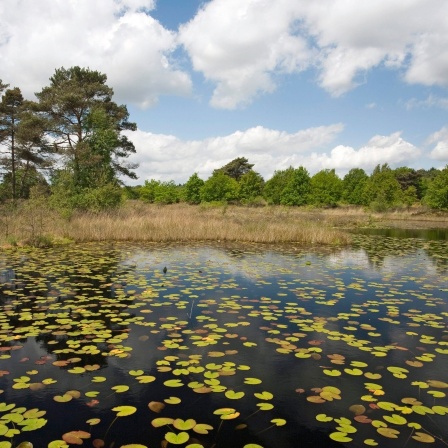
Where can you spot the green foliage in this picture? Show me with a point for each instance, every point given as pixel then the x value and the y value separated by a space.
pixel 192 191
pixel 147 192
pixel 274 187
pixel 251 186
pixel 23 143
pixel 297 189
pixel 155 191
pixel 86 127
pixel 67 196
pixel 437 192
pixel 220 187
pixel 408 177
pixel 167 193
pixel 326 188
pixel 236 168
pixel 382 190
pixel 353 186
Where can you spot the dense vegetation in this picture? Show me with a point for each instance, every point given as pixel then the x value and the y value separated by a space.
pixel 68 148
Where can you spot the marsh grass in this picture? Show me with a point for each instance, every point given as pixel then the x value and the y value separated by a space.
pixel 137 221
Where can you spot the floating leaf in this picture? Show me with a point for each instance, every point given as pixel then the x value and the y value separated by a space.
pixel 172 400
pixel 278 421
pixel 202 428
pixel 124 411
pixel 156 406
pixel 265 406
pixel 234 395
pixel 75 437
pixel 323 418
pixel 437 384
pixel 120 389
pixel 173 383
pixel 162 421
pixel 56 444
pixel 388 432
pixel 340 437
pixel 332 372
pixel 177 439
pixel 264 395
pixel 184 425
pixel 252 381
pixel 423 437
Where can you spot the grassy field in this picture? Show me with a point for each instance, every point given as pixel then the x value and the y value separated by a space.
pixel 137 221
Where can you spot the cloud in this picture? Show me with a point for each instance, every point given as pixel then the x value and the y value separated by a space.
pixel 165 157
pixel 391 149
pixel 341 39
pixel 118 38
pixel 440 140
pixel 241 46
pixel 428 102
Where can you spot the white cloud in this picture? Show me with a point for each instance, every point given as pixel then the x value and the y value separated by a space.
pixel 166 157
pixel 428 102
pixel 440 140
pixel 241 46
pixel 380 149
pixel 115 37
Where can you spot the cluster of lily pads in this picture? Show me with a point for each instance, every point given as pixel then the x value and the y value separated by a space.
pixel 201 346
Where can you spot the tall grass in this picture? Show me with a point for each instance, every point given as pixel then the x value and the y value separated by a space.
pixel 36 224
pixel 137 221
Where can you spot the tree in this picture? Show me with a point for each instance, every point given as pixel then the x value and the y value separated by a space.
pixel 25 149
pixel 251 186
pixel 437 192
pixel 297 189
pixel 326 188
pixel 86 127
pixel 236 168
pixel 275 186
pixel 409 180
pixel 382 190
pixel 193 189
pixel 353 186
pixel 219 187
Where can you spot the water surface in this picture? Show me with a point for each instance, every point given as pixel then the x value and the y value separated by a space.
pixel 263 344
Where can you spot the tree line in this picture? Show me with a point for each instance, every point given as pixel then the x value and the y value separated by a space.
pixel 69 146
pixel 237 182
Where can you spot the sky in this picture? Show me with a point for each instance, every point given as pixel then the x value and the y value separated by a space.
pixel 322 84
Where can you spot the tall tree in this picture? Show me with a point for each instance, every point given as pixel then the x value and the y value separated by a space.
pixel 25 150
pixel 11 108
pixel 236 168
pixel 86 126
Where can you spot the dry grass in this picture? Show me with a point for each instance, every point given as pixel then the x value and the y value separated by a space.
pixel 181 222
pixel 137 221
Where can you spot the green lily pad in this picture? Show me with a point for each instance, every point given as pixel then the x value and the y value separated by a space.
pixel 177 439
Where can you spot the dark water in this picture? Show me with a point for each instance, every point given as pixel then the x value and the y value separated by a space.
pixel 425 234
pixel 272 324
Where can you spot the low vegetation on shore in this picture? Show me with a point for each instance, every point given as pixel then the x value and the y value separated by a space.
pixel 38 225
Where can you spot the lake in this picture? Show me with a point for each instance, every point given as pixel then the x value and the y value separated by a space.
pixel 225 345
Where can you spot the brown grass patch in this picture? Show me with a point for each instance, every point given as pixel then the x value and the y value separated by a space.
pixel 137 221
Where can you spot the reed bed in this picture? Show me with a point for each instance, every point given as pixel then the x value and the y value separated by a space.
pixel 137 221
pixel 180 222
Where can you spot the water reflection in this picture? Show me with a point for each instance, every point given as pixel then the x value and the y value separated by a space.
pixel 224 320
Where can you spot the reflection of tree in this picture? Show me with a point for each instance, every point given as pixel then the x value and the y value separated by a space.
pixel 438 251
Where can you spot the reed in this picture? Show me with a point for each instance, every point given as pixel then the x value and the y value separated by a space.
pixel 137 221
